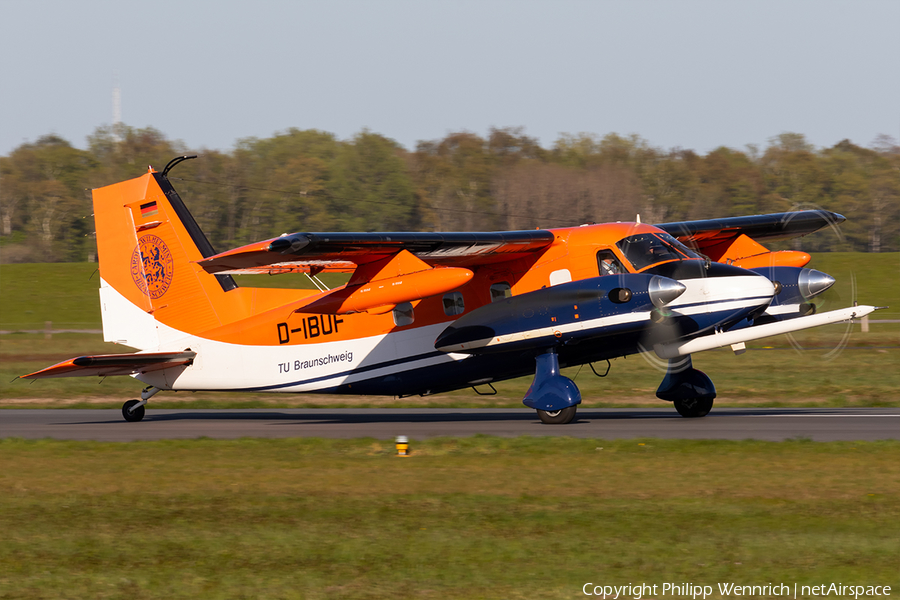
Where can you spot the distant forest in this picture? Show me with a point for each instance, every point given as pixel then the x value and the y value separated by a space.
pixel 312 181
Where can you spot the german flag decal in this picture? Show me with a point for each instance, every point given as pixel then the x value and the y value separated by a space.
pixel 149 209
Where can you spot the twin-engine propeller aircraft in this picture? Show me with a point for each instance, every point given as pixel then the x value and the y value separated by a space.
pixel 424 313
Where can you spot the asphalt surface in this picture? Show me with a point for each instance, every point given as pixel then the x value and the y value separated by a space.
pixel 774 424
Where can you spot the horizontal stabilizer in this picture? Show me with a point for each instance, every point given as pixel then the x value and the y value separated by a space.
pixel 103 365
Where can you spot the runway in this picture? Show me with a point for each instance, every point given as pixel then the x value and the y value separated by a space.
pixel 772 424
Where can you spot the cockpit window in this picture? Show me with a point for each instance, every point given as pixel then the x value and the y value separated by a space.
pixel 672 241
pixel 608 263
pixel 645 249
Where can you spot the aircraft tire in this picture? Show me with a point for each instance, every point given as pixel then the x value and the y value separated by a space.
pixel 135 415
pixel 694 407
pixel 557 417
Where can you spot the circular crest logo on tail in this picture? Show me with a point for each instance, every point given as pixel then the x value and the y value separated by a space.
pixel 152 266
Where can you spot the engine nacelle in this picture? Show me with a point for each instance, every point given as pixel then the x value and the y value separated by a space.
pixel 794 287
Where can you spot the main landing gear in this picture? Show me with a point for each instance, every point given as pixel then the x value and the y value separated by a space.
pixel 562 416
pixel 133 410
pixel 690 390
pixel 554 396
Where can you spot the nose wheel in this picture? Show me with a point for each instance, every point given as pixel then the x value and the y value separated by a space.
pixel 690 390
pixel 693 407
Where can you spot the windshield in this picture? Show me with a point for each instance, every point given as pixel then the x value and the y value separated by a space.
pixel 646 249
pixel 678 245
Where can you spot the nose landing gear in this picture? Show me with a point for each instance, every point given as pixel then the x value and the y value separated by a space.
pixel 693 407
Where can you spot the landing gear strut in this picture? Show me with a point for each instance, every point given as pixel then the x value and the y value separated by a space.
pixel 133 410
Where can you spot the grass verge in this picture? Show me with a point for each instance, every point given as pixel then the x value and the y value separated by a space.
pixel 478 517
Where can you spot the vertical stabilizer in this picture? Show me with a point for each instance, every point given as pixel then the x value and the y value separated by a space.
pixel 151 287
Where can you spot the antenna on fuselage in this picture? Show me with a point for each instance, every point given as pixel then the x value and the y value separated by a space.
pixel 637 219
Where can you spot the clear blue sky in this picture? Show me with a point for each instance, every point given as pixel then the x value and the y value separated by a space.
pixel 694 73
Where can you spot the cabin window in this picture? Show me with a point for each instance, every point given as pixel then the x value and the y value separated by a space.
pixel 403 314
pixel 500 291
pixel 454 304
pixel 608 263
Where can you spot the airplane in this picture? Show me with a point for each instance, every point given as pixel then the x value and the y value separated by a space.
pixel 426 313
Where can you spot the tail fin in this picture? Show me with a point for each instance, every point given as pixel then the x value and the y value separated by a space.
pixel 151 290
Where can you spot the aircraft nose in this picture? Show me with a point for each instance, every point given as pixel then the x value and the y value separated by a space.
pixel 663 290
pixel 812 282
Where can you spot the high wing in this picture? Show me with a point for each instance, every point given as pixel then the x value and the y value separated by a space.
pixel 316 252
pixel 777 226
pixel 736 239
pixel 103 365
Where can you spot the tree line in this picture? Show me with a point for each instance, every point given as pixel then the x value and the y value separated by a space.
pixel 308 180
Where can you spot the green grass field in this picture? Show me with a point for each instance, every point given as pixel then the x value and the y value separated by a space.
pixel 67 294
pixel 470 518
pixel 830 366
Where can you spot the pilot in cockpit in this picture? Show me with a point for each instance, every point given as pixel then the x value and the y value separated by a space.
pixel 608 263
pixel 646 249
